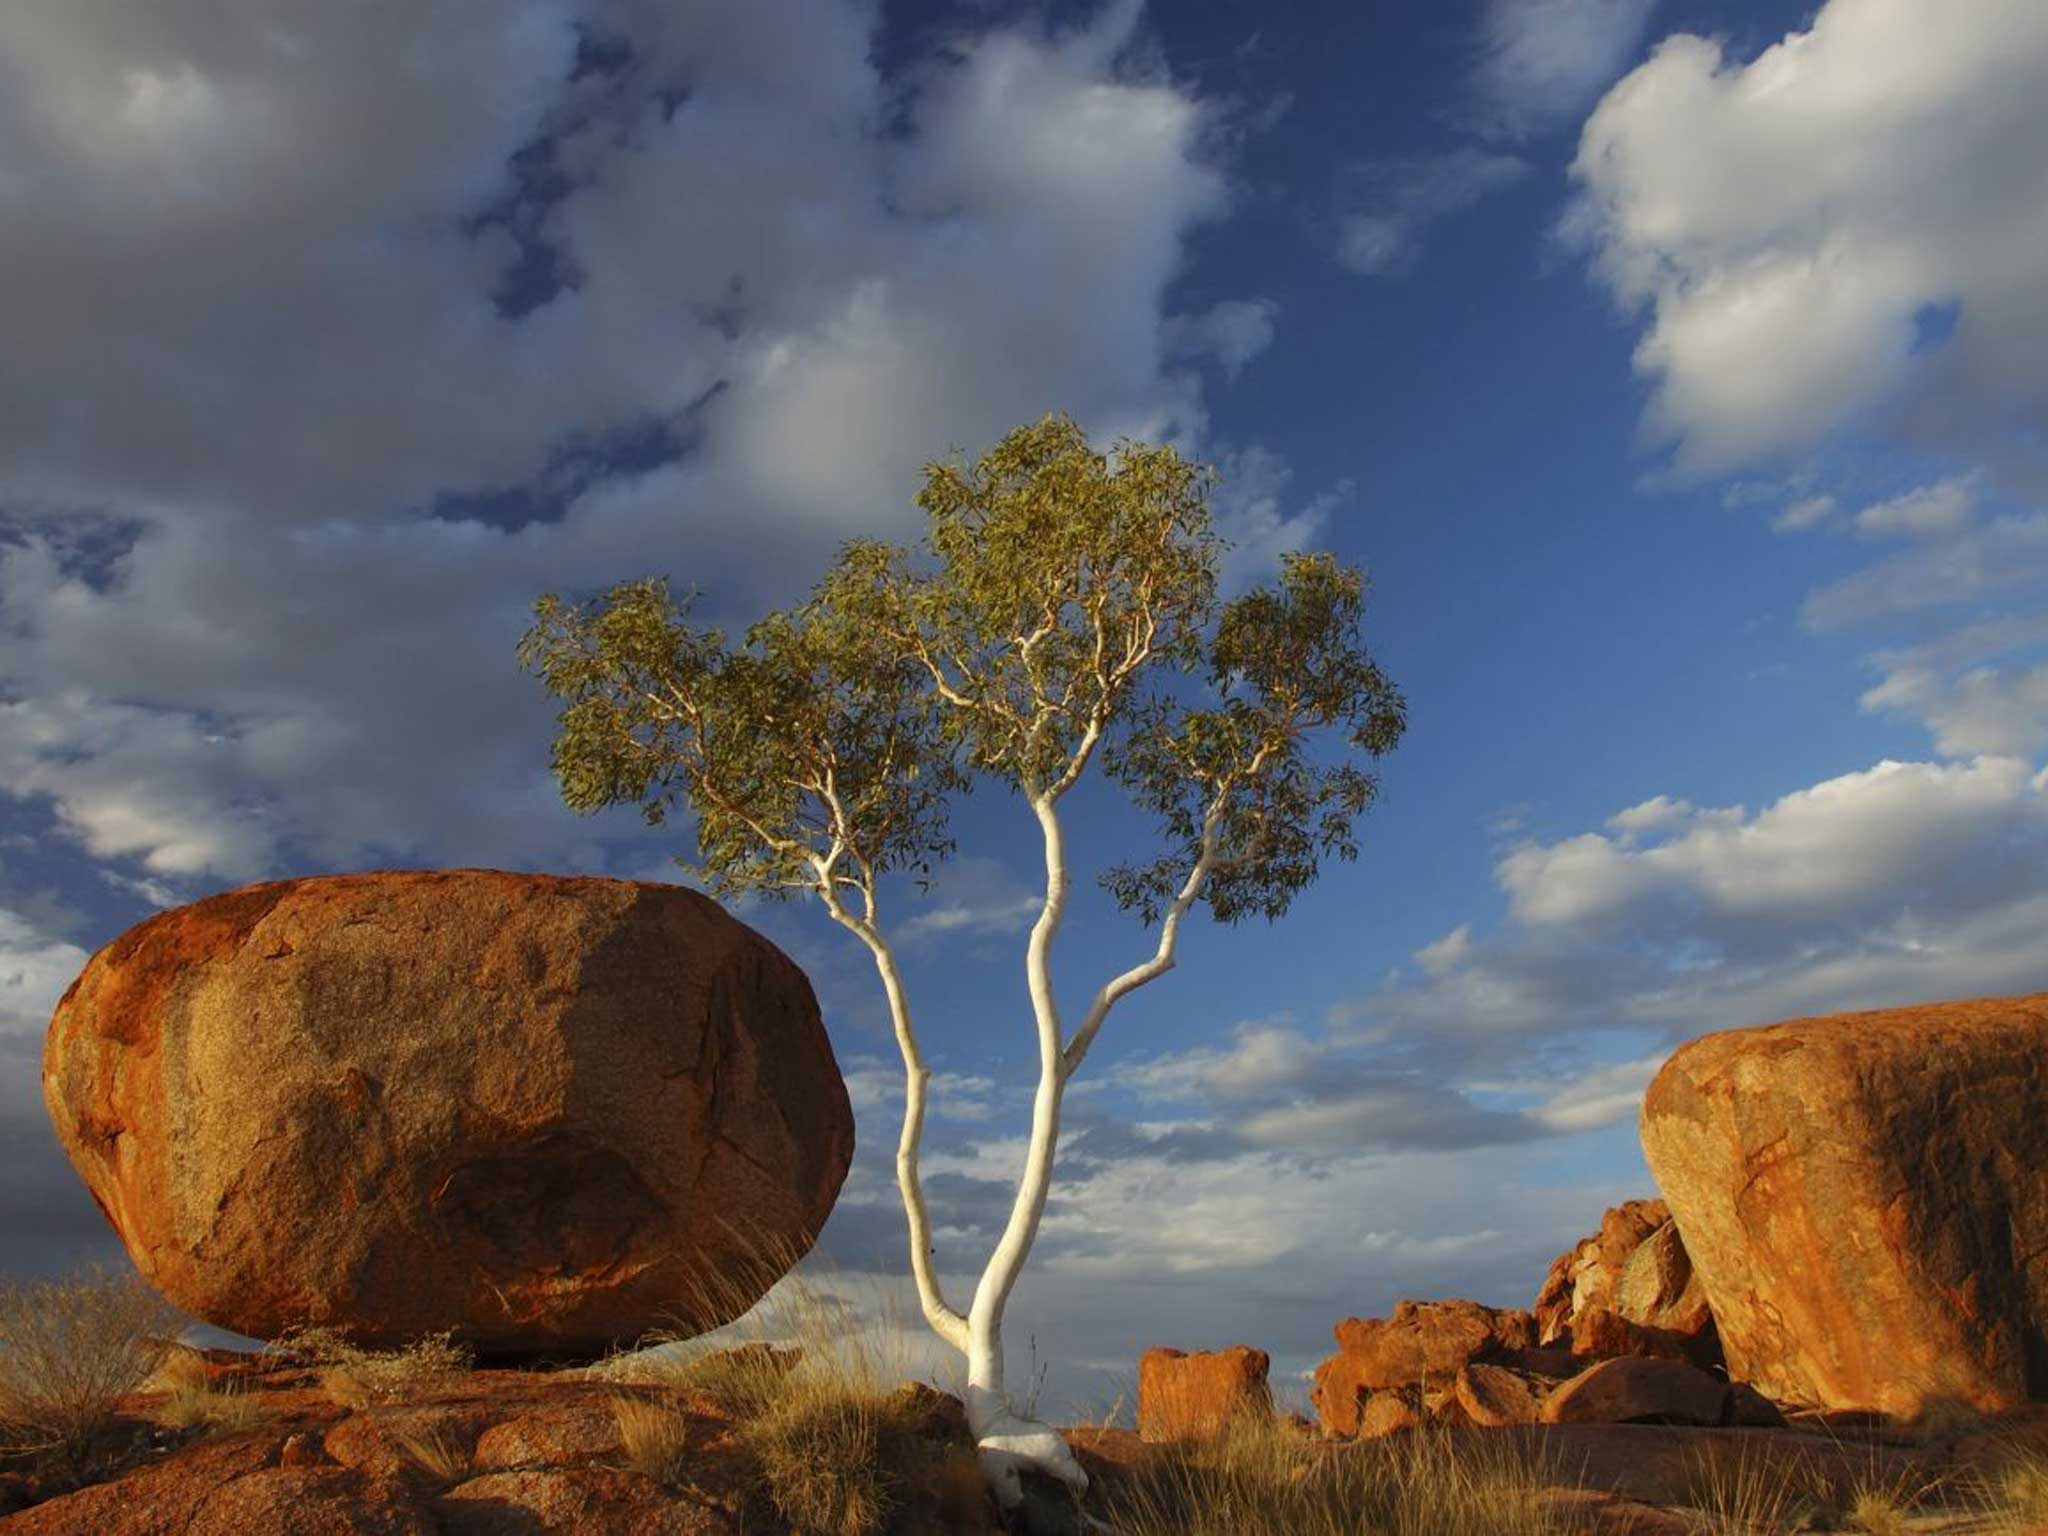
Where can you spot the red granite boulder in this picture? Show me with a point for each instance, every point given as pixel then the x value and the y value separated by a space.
pixel 1189 1395
pixel 545 1113
pixel 1864 1199
pixel 1424 1344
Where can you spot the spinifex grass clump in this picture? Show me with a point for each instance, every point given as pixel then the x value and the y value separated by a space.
pixel 1264 1477
pixel 193 1401
pixel 833 1441
pixel 361 1378
pixel 69 1351
pixel 654 1435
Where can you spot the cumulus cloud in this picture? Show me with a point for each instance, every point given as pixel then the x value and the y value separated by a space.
pixel 1231 332
pixel 1542 61
pixel 1819 855
pixel 1386 208
pixel 2004 557
pixel 1977 690
pixel 1850 229
pixel 1900 883
pixel 35 968
pixel 1929 511
pixel 308 402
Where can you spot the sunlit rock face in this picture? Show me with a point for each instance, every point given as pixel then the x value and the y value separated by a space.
pixel 1864 1199
pixel 550 1114
pixel 1628 1289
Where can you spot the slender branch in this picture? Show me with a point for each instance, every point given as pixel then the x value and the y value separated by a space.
pixel 1162 959
pixel 946 1322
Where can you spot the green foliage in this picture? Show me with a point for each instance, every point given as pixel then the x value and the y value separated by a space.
pixel 1056 585
pixel 1283 662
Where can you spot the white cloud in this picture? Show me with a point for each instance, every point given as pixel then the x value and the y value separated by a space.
pixel 1601 1097
pixel 1931 510
pixel 1852 226
pixel 1816 855
pixel 34 971
pixel 1995 559
pixel 1647 816
pixel 1249 506
pixel 1444 954
pixel 1233 332
pixel 1808 512
pixel 262 653
pixel 1544 60
pixel 1386 208
pixel 970 894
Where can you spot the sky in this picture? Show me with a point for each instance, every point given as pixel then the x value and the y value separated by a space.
pixel 1677 370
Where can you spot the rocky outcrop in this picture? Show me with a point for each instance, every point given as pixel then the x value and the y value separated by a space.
pixel 1182 1395
pixel 1424 1344
pixel 547 1113
pixel 1864 1200
pixel 1628 1289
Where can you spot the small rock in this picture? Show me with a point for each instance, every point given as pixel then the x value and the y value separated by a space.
pixel 303 1450
pixel 1389 1410
pixel 1495 1395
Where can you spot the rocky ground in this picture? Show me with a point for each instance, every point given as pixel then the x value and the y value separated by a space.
pixel 507 1453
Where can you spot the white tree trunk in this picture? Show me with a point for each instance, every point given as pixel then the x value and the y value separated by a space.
pixel 1009 1442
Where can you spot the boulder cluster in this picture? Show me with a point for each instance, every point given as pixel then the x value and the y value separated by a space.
pixel 1854 1219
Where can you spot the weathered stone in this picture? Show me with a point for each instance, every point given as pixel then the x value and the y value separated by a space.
pixel 546 1113
pixel 1389 1410
pixel 1864 1198
pixel 575 1501
pixel 1424 1344
pixel 1586 1273
pixel 1601 1333
pixel 1339 1393
pixel 1637 1390
pixel 1634 1269
pixel 1494 1395
pixel 1431 1338
pixel 1182 1395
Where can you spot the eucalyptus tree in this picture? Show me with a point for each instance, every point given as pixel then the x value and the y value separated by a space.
pixel 1064 607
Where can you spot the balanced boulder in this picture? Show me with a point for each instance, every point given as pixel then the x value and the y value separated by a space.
pixel 1864 1199
pixel 550 1114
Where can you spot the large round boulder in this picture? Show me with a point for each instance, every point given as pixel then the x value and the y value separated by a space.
pixel 1864 1199
pixel 548 1113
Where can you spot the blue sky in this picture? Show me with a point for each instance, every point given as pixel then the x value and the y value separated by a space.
pixel 1674 369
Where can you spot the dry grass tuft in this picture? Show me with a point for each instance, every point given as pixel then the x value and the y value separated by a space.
pixel 1261 1477
pixel 192 1401
pixel 2014 1493
pixel 435 1455
pixel 654 1434
pixel 69 1351
pixel 817 1452
pixel 363 1378
pixel 831 1444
